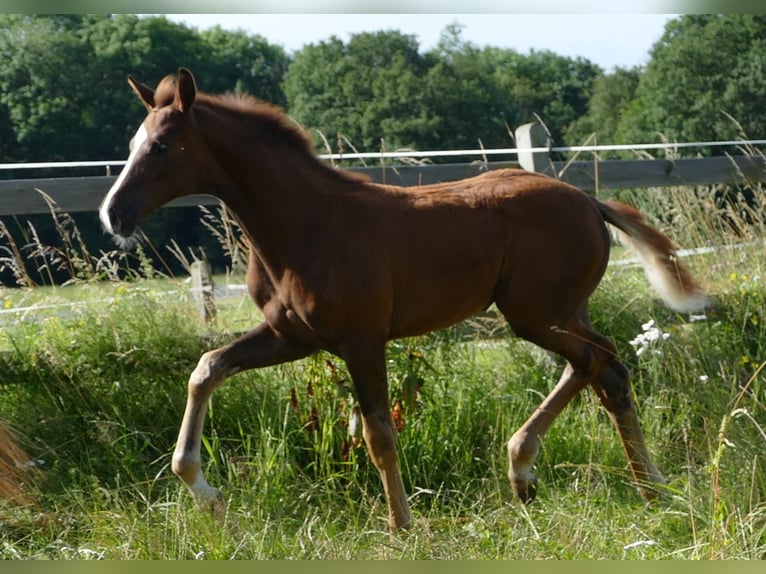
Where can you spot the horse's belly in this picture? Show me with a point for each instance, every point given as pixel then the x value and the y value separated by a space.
pixel 417 311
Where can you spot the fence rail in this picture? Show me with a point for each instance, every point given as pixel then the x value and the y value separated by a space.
pixel 77 194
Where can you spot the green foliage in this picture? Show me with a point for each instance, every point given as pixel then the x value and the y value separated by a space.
pixel 610 100
pixel 706 69
pixel 378 87
pixel 546 87
pixel 701 83
pixel 238 62
pixel 366 91
pixel 377 90
pixel 40 101
pixel 63 90
pixel 464 97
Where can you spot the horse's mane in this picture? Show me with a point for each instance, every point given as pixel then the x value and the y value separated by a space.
pixel 273 124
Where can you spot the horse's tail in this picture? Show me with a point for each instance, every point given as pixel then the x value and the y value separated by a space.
pixel 669 277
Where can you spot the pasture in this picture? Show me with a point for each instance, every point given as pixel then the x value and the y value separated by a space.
pixel 96 395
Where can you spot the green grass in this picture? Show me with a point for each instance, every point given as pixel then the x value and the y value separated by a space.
pixel 97 395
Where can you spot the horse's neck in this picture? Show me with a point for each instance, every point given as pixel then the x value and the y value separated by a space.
pixel 276 195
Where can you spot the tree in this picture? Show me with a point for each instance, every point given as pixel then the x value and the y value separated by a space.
pixel 40 92
pixel 554 88
pixel 238 62
pixel 610 99
pixel 464 98
pixel 63 93
pixel 378 87
pixel 483 93
pixel 705 68
pixel 367 91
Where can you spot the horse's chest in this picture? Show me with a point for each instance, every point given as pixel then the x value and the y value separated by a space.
pixel 287 321
pixel 288 306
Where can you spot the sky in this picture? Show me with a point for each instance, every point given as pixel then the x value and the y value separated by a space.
pixel 608 40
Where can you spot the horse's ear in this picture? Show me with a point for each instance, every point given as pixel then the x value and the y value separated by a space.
pixel 144 92
pixel 186 90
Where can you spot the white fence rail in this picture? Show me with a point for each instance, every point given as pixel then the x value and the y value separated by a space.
pixel 74 194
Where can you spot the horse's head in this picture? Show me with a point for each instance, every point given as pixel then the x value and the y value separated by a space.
pixel 161 165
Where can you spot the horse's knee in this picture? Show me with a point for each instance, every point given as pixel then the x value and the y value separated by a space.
pixel 613 387
pixel 618 372
pixel 206 375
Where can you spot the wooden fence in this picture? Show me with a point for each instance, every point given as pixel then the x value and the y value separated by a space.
pixel 76 194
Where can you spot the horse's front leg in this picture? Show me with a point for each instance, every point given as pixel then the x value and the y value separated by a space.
pixel 366 361
pixel 261 347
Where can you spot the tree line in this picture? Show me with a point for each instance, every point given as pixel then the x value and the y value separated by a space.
pixel 63 95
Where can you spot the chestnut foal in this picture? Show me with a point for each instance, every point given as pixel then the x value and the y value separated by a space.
pixel 345 265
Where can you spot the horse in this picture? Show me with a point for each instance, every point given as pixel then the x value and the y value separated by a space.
pixel 340 264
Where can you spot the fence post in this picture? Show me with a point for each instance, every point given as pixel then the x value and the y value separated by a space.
pixel 202 290
pixel 533 135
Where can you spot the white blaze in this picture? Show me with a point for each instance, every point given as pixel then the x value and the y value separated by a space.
pixel 103 212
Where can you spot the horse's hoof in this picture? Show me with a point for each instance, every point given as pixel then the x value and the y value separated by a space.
pixel 651 492
pixel 526 490
pixel 212 501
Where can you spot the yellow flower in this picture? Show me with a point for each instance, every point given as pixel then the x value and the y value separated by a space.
pixel 8 304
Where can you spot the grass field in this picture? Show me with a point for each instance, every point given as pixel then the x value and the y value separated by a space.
pixel 95 396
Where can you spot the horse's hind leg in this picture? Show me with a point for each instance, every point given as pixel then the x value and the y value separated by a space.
pixel 613 388
pixel 524 445
pixel 591 360
pixel 614 391
pixel 587 353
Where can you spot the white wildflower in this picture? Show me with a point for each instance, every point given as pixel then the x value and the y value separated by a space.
pixel 83 553
pixel 638 544
pixel 649 338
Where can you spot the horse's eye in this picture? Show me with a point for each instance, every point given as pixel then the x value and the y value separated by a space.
pixel 158 147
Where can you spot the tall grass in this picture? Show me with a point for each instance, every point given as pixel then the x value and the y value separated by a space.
pixel 97 395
